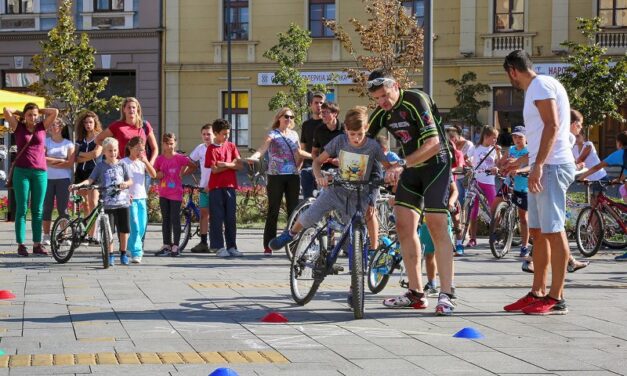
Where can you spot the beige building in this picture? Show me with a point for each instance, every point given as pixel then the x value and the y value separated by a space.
pixel 469 35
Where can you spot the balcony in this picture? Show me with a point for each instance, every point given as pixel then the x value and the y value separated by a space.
pixel 615 40
pixel 501 44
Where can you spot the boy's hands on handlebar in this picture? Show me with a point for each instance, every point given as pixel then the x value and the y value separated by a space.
pixel 393 174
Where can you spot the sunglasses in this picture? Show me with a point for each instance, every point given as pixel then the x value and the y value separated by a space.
pixel 380 81
pixel 289 117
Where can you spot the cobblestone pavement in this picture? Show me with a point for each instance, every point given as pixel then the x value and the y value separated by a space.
pixel 193 314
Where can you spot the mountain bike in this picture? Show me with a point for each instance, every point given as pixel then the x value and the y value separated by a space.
pixel 190 216
pixel 604 223
pixel 385 261
pixel 504 222
pixel 68 234
pixel 471 193
pixel 314 257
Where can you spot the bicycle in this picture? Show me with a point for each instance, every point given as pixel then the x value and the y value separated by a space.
pixel 603 223
pixel 504 222
pixel 314 257
pixel 385 261
pixel 471 193
pixel 71 233
pixel 190 214
pixel 298 210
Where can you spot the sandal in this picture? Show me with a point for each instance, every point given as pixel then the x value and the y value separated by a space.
pixel 572 267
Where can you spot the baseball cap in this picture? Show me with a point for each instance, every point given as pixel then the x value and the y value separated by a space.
pixel 518 130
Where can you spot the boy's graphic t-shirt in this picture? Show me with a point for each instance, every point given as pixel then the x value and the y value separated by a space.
pixel 171 185
pixel 227 152
pixel 356 163
pixel 106 175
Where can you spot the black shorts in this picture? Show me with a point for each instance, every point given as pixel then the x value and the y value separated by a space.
pixel 120 219
pixel 81 175
pixel 425 188
pixel 520 199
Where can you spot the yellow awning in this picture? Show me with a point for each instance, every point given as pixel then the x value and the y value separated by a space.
pixel 16 101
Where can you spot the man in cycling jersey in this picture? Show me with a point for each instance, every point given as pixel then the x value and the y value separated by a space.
pixel 423 178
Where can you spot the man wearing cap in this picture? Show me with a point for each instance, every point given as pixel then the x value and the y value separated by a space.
pixel 546 114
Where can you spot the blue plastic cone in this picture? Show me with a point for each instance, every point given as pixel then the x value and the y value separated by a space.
pixel 223 371
pixel 470 333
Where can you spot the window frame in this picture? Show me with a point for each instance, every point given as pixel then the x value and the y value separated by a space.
pixel 511 107
pixel 235 129
pixel 20 11
pixel 311 22
pixel 510 17
pixel 16 89
pixel 411 5
pixel 109 9
pixel 235 6
pixel 614 10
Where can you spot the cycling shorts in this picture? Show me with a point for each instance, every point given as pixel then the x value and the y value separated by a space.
pixel 425 188
pixel 520 199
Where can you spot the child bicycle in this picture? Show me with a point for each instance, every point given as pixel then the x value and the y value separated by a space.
pixel 190 214
pixel 314 258
pixel 505 222
pixel 68 234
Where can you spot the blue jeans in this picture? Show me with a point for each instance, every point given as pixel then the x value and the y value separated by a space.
pixel 222 213
pixel 139 219
pixel 307 182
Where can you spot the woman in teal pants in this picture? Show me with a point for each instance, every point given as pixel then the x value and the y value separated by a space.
pixel 30 178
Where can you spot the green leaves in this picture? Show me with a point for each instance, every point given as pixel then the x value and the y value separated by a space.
pixel 467 105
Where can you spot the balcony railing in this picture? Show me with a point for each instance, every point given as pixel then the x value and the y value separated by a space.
pixel 501 44
pixel 614 40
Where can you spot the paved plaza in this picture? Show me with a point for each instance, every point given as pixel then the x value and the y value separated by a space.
pixel 193 314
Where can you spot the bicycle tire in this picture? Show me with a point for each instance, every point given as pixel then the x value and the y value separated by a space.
pixel 105 241
pixel 357 271
pixel 613 236
pixel 186 229
pixel 502 230
pixel 298 210
pixel 589 239
pixel 465 218
pixel 307 257
pixel 380 269
pixel 59 237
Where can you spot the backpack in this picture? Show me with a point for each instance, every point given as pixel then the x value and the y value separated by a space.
pixel 148 149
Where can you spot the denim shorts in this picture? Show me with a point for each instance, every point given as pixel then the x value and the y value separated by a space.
pixel 203 199
pixel 547 209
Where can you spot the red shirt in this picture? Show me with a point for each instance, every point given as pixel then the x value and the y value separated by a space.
pixel 123 132
pixel 226 152
pixel 34 157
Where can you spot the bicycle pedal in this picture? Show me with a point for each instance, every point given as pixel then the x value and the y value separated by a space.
pixel 404 284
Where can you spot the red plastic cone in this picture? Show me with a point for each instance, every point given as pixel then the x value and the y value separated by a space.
pixel 274 317
pixel 6 294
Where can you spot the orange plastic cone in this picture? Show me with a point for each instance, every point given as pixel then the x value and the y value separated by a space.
pixel 274 317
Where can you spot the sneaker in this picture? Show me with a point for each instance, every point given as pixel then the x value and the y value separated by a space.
pixel 136 259
pixel 445 305
pixel 94 242
pixel 214 250
pixel 524 252
pixel 112 259
pixel 574 266
pixel 546 306
pixel 200 248
pixel 459 250
pixel 164 251
pixel 124 259
pixel 452 295
pixel 223 253
pixel 430 291
pixel 521 303
pixel 622 257
pixel 527 266
pixel 409 299
pixel 40 250
pixel 471 243
pixel 281 241
pixel 46 239
pixel 267 251
pixel 175 251
pixel 234 252
pixel 22 250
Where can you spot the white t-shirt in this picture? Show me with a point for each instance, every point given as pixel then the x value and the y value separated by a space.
pixel 198 155
pixel 137 170
pixel 546 87
pixel 59 150
pixel 591 160
pixel 478 153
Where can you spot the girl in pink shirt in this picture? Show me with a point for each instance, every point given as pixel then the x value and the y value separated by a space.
pixel 171 167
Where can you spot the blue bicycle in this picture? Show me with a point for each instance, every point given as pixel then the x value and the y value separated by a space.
pixel 190 216
pixel 314 256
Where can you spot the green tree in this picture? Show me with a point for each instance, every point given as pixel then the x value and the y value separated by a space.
pixel 64 66
pixel 291 54
pixel 594 87
pixel 466 92
pixel 390 39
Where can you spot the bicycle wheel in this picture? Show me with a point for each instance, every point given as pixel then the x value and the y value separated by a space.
pixel 105 241
pixel 501 230
pixel 589 231
pixel 380 269
pixel 517 237
pixel 384 211
pixel 613 235
pixel 303 281
pixel 63 240
pixel 357 271
pixel 300 208
pixel 186 228
pixel 465 218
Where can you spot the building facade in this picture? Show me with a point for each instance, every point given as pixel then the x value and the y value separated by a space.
pixel 125 33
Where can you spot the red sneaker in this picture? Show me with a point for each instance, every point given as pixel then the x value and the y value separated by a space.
pixel 546 306
pixel 22 250
pixel 267 251
pixel 40 250
pixel 521 303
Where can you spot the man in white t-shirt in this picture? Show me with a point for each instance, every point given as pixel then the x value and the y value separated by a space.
pixel 546 114
pixel 198 155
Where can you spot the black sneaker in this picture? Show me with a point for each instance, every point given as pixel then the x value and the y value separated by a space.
pixel 165 251
pixel 200 248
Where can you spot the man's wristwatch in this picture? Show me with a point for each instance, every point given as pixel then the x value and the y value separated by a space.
pixel 402 163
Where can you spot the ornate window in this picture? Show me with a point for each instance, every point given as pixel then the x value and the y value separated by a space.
pixel 509 16
pixel 613 13
pixel 319 11
pixel 236 19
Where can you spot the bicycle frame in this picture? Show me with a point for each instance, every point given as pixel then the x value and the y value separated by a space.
pixel 473 192
pixel 609 206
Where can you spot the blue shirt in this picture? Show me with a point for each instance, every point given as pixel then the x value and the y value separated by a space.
pixel 521 183
pixel 616 159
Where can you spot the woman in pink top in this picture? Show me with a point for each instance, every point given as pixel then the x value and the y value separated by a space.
pixel 131 125
pixel 30 177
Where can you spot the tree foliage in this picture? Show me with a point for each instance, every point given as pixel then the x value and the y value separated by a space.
pixel 594 87
pixel 391 39
pixel 290 53
pixel 466 92
pixel 64 66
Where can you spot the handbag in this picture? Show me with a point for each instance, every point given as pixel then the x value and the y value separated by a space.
pixel 296 164
pixel 9 182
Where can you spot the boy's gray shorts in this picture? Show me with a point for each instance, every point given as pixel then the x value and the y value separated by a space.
pixel 334 198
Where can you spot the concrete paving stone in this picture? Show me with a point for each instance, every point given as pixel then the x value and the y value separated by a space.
pixel 152 345
pixel 125 370
pixel 55 370
pixel 499 363
pixel 41 333
pixel 363 352
pixel 208 345
pixel 557 360
pixel 385 366
pixel 446 365
pixel 586 373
